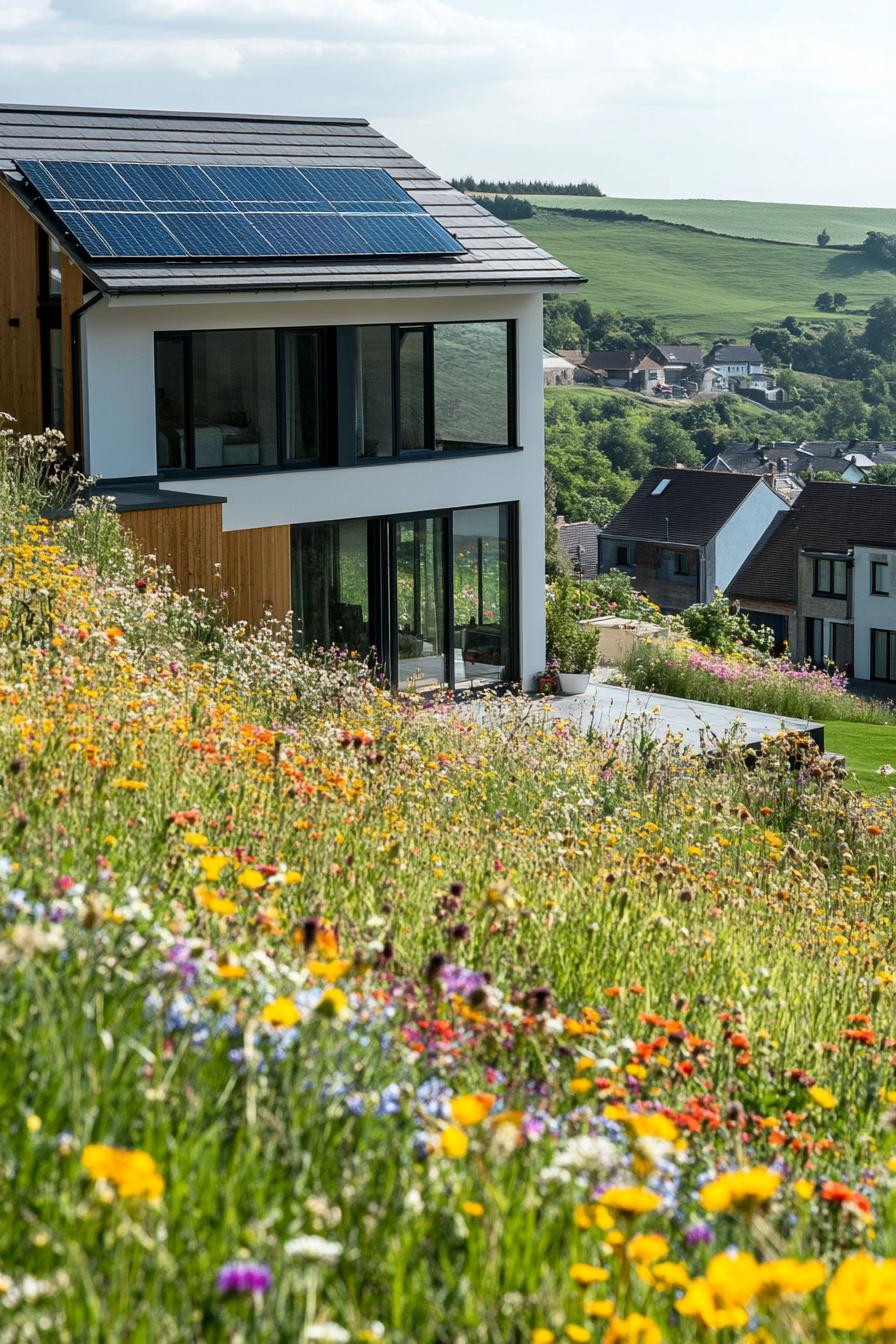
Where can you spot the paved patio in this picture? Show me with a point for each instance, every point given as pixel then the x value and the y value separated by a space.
pixel 616 710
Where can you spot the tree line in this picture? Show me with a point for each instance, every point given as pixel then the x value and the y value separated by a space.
pixel 533 187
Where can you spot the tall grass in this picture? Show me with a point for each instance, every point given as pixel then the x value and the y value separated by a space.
pixel 383 996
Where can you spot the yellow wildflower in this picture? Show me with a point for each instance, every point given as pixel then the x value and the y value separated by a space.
pixel 471 1109
pixel 454 1142
pixel 584 1275
pixel 646 1248
pixel 861 1297
pixel 823 1098
pixel 282 1012
pixel 740 1190
pixel 133 1172
pixel 632 1199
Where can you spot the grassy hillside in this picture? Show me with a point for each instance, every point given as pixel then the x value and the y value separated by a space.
pixel 745 219
pixel 702 286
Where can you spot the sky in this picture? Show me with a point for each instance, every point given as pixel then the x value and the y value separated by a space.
pixel 783 100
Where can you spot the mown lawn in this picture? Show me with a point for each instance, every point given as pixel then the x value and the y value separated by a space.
pixel 866 746
pixel 702 287
pixel 782 222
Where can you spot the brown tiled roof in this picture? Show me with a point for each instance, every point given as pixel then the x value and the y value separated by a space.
pixel 690 510
pixel 827 515
pixel 496 254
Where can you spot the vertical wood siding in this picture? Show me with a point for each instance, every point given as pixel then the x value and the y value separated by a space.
pixel 19 345
pixel 252 566
pixel 187 539
pixel 257 572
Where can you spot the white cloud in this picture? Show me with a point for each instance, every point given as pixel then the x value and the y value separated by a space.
pixel 24 13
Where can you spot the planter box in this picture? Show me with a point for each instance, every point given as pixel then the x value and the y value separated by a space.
pixel 618 636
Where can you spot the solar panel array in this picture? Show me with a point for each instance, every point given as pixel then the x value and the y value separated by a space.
pixel 134 211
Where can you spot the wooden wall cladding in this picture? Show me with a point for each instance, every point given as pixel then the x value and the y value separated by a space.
pixel 72 298
pixel 258 573
pixel 19 331
pixel 188 539
pixel 253 566
pixel 20 366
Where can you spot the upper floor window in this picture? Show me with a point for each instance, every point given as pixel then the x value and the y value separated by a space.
pixel 880 578
pixel 239 399
pixel 830 578
pixel 682 563
pixel 255 399
pixel 434 387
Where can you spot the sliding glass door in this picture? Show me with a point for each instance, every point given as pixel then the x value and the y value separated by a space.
pixel 429 597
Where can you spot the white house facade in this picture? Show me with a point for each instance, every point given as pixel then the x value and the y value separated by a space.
pixel 874 612
pixel 366 418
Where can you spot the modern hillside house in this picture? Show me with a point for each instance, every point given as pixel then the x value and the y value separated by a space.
pixel 302 363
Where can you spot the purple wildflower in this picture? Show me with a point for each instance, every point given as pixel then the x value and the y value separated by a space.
pixel 243 1276
pixel 698 1233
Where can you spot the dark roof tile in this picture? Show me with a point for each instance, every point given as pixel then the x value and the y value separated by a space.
pixel 496 253
pixel 690 510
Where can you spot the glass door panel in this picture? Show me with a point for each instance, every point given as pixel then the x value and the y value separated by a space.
pixel 331 587
pixel 421 602
pixel 481 620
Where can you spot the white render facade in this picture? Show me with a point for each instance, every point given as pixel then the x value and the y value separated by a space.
pixel 874 613
pixel 120 416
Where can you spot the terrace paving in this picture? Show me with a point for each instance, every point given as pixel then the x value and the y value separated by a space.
pixel 618 711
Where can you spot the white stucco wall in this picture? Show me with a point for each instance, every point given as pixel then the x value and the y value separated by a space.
pixel 734 541
pixel 870 611
pixel 120 437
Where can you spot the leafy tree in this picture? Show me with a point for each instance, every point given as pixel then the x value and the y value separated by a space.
pixel 880 248
pixel 720 626
pixel 824 301
pixel 840 299
pixel 823 238
pixel 670 443
pixel 790 324
pixel 553 561
pixel 880 329
pixel 844 416
pixel 883 474
pixel 882 422
pixel 774 344
pixel 561 331
pixel 840 356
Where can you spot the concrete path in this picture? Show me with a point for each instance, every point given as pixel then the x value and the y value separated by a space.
pixel 616 710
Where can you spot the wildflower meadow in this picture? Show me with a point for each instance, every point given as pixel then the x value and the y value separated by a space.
pixel 328 1015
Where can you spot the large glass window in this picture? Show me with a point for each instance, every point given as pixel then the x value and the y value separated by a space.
pixel 171 402
pixel 374 405
pixel 470 376
pixel 432 595
pixel 234 399
pixel 331 586
pixel 830 578
pixel 883 655
pixel 301 395
pixel 412 390
pixel 481 557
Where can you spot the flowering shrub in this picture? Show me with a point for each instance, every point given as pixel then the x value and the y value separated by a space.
pixel 772 685
pixel 330 1018
pixel 722 627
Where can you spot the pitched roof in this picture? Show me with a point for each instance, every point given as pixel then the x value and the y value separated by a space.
pixel 496 254
pixel 725 353
pixel 578 542
pixel 689 510
pixel 813 455
pixel 680 354
pixel 827 515
pixel 618 359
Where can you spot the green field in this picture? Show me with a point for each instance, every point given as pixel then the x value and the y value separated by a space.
pixel 701 286
pixel 866 746
pixel 744 219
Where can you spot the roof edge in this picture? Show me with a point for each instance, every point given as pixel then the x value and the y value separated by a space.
pixel 157 113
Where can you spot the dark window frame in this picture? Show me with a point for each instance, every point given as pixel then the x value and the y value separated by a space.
pixel 327 392
pixel 681 567
pixel 334 402
pixel 382 534
pixel 831 591
pixel 813 622
pixel 876 566
pixel 891 640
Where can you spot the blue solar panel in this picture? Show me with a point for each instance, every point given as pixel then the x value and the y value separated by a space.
pixel 304 235
pixel 355 184
pixel 134 210
pixel 263 187
pixel 78 225
pixel 93 182
pixel 403 235
pixel 217 235
pixel 137 234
